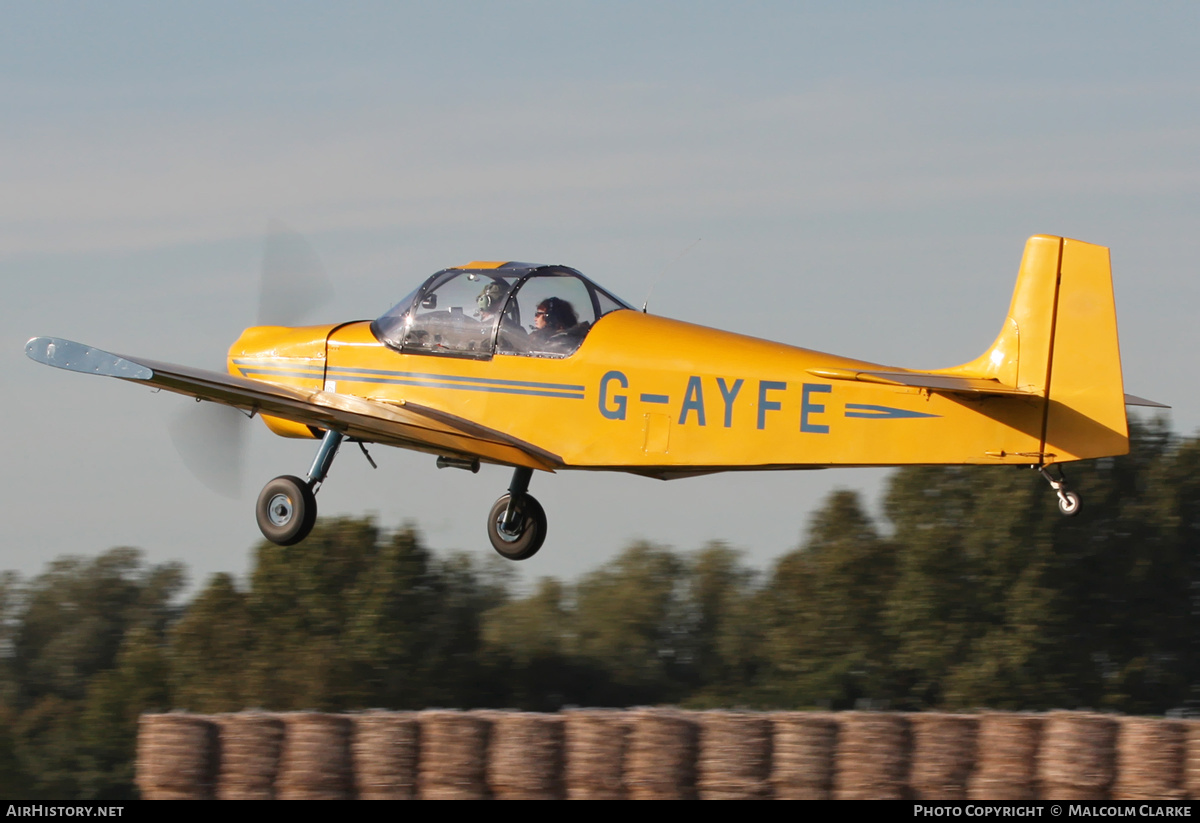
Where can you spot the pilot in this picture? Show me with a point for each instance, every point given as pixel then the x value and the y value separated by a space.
pixel 555 326
pixel 491 302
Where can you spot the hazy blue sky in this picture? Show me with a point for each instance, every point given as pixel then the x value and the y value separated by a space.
pixel 863 177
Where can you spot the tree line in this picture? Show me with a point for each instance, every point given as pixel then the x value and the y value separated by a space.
pixel 970 591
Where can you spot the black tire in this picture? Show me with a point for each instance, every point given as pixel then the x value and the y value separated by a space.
pixel 286 510
pixel 1071 505
pixel 531 519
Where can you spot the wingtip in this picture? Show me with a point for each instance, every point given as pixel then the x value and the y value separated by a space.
pixel 72 356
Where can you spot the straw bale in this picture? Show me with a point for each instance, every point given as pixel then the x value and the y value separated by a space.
pixel 595 742
pixel 802 760
pixel 453 755
pixel 176 757
pixel 315 763
pixel 1191 763
pixel 1078 756
pixel 661 759
pixel 1150 759
pixel 734 759
pixel 385 749
pixel 250 745
pixel 525 756
pixel 872 757
pixel 943 755
pixel 1006 757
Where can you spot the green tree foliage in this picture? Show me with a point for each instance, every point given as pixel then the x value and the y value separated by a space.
pixel 108 720
pixel 352 618
pixel 83 659
pixel 530 642
pixel 13 779
pixel 983 595
pixel 210 649
pixel 824 609
pixel 629 622
pixel 1002 602
pixel 75 616
pixel 724 634
pixel 298 602
pixel 649 626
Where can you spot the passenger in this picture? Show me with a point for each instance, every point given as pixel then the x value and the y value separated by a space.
pixel 554 327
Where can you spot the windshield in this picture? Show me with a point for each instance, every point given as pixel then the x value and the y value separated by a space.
pixel 537 311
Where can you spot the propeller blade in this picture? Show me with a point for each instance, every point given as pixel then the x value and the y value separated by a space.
pixel 293 280
pixel 210 439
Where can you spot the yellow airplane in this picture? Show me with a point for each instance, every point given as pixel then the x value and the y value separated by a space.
pixel 537 367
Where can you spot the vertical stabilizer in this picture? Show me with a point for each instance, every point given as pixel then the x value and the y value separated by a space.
pixel 1059 341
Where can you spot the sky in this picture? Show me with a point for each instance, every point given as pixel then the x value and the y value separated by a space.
pixel 861 178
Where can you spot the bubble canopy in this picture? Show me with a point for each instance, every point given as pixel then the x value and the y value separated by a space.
pixel 484 309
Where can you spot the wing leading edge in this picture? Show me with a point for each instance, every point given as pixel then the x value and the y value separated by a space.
pixel 406 425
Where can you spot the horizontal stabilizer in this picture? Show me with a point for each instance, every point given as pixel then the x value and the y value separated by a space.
pixel 923 380
pixel 1134 400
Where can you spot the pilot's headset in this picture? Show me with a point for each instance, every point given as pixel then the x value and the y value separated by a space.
pixel 491 299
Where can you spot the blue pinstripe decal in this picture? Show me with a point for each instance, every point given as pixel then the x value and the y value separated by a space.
pixel 882 412
pixel 456 378
pixel 268 372
pixel 439 381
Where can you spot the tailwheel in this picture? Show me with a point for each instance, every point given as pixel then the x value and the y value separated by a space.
pixel 286 510
pixel 517 534
pixel 1069 503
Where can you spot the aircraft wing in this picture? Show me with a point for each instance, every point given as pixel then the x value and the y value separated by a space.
pixel 407 425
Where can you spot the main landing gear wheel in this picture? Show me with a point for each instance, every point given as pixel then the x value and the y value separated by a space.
pixel 286 510
pixel 526 532
pixel 1068 503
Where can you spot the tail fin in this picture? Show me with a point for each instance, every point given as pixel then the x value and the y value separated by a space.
pixel 1060 341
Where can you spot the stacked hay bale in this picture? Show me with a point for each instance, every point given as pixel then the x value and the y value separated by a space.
pixel 385 752
pixel 1150 759
pixel 943 755
pixel 734 760
pixel 872 757
pixel 251 743
pixel 594 744
pixel 661 760
pixel 525 756
pixel 803 755
pixel 315 763
pixel 176 757
pixel 1078 756
pixel 454 748
pixel 1006 759
pixel 1191 762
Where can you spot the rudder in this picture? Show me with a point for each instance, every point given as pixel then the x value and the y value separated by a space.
pixel 1085 414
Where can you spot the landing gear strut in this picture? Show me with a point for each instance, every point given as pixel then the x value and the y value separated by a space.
pixel 1068 501
pixel 287 506
pixel 516 524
